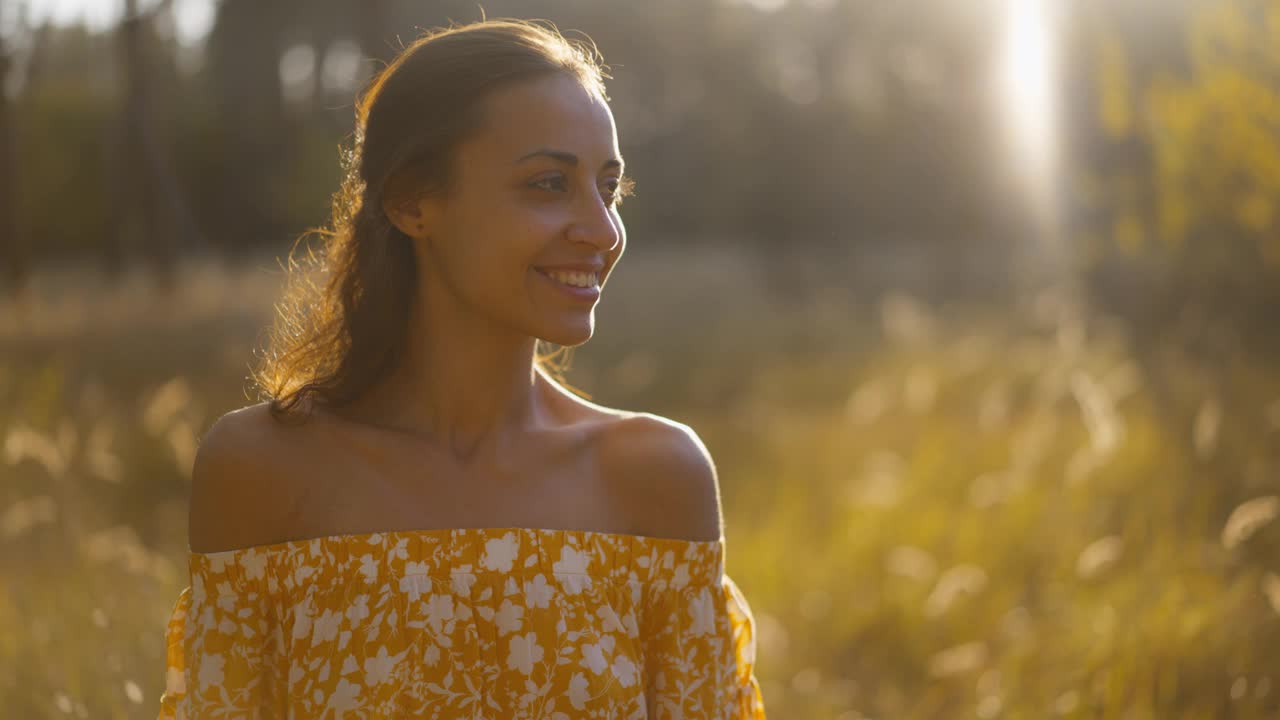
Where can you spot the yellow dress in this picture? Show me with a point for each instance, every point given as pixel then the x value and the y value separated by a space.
pixel 494 623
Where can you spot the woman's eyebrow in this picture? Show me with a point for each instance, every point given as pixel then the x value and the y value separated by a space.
pixel 567 158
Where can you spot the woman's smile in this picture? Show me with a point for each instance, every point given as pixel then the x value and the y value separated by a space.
pixel 584 286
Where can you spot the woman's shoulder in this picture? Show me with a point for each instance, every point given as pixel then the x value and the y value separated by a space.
pixel 663 468
pixel 243 489
pixel 659 467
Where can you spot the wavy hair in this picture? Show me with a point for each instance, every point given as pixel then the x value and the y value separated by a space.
pixel 343 321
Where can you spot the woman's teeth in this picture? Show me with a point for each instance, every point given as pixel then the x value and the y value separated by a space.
pixel 576 279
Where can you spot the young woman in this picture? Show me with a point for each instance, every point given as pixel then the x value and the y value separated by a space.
pixel 421 522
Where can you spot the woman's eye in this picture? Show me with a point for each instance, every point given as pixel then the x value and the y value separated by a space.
pixel 545 183
pixel 614 191
pixel 620 189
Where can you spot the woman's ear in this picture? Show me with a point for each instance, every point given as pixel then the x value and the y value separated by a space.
pixel 412 216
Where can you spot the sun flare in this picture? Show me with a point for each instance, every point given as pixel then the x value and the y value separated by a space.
pixel 1027 81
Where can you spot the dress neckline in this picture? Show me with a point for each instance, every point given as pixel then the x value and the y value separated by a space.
pixel 286 546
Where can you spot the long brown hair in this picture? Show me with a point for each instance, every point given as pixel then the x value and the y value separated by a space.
pixel 343 320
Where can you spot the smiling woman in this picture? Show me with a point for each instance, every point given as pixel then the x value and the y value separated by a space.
pixel 442 183
pixel 420 521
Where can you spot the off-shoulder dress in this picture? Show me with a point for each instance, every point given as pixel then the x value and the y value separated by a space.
pixel 494 623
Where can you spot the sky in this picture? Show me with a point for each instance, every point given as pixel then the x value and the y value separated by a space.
pixel 192 17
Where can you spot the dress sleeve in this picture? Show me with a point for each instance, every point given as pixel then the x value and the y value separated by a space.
pixel 700 652
pixel 223 644
pixel 175 685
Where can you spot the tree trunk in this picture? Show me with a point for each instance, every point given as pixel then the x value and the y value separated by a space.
pixel 140 151
pixel 13 245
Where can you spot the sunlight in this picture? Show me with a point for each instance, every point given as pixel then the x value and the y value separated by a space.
pixel 192 18
pixel 1027 96
pixel 1027 83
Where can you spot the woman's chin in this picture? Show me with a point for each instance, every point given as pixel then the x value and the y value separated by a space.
pixel 569 335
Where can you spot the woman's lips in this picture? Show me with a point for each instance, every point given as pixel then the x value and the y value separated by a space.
pixel 585 294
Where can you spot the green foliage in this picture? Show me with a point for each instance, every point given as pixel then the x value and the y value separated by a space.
pixel 1216 134
pixel 1180 165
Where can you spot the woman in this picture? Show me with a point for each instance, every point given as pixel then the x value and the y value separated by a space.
pixel 421 522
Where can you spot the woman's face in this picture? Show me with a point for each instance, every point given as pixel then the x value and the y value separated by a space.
pixel 534 199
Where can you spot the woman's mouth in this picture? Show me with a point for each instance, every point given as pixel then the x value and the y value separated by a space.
pixel 578 285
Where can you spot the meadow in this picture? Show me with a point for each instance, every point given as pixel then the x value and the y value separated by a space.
pixel 935 510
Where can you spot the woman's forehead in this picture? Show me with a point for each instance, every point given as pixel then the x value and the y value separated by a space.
pixel 556 113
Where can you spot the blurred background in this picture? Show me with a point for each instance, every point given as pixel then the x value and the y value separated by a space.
pixel 978 316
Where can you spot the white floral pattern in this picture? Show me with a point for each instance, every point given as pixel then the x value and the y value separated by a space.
pixel 464 623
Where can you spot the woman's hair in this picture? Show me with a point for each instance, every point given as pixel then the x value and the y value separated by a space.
pixel 335 336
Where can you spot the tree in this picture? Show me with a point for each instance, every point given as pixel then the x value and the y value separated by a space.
pixel 1179 160
pixel 13 246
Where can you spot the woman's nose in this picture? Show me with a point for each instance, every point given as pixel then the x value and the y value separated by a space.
pixel 596 225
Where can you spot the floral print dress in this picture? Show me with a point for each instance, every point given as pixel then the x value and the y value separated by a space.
pixel 493 623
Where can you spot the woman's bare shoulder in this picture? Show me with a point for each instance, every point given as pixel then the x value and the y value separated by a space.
pixel 244 481
pixel 667 473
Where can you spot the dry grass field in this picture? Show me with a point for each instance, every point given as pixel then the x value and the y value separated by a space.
pixel 947 512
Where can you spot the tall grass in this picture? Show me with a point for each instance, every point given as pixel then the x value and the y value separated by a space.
pixel 999 512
